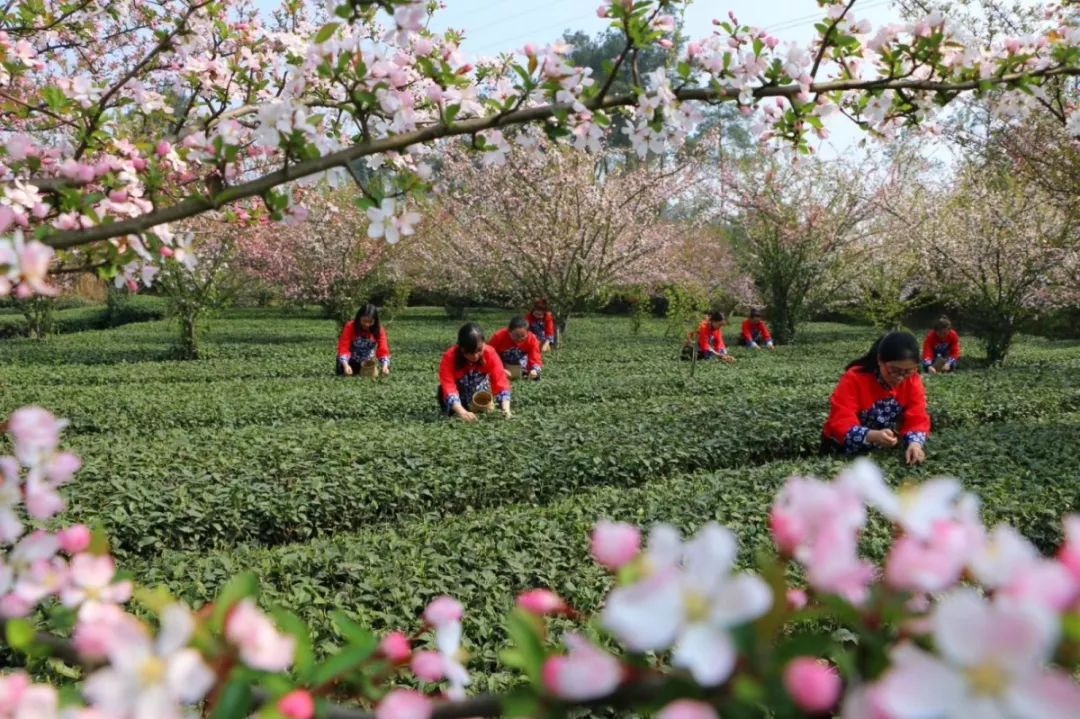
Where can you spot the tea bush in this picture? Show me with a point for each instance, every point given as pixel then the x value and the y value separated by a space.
pixel 355 494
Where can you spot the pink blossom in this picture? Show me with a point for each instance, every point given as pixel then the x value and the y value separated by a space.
pixel 687 709
pixel 92 581
pixel 991 661
pixel 395 647
pixel 1045 582
pixel 931 565
pixel 1069 555
pixel 587 672
pixel 36 432
pixel 541 601
pixel 443 610
pixel 814 684
pixel 261 645
pixel 428 666
pixel 103 626
pixel 796 599
pixel 297 704
pixel 615 544
pixel 404 704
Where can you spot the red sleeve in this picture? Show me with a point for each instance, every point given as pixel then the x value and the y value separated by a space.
pixel 549 324
pixel 499 340
pixel 447 379
pixel 747 333
pixel 344 343
pixel 843 407
pixel 496 372
pixel 928 347
pixel 720 340
pixel 916 416
pixel 536 357
pixel 703 337
pixel 765 334
pixel 954 345
pixel 382 350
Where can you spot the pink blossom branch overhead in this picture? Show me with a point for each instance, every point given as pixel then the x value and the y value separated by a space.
pixel 121 118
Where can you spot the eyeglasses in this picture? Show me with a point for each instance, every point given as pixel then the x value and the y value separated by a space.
pixel 902 371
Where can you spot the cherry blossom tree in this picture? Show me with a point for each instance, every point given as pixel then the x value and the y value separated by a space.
pixel 552 223
pixel 124 117
pixel 1003 251
pixel 802 231
pixel 328 259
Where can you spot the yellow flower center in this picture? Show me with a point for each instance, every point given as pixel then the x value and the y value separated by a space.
pixel 152 671
pixel 987 678
pixel 696 606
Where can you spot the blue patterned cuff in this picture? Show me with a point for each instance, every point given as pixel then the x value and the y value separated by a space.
pixel 502 395
pixel 384 361
pixel 753 345
pixel 926 363
pixel 344 358
pixel 856 439
pixel 915 438
pixel 768 343
pixel 452 400
pixel 952 362
pixel 536 368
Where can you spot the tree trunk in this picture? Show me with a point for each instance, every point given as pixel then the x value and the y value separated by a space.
pixel 188 347
pixel 784 324
pixel 999 339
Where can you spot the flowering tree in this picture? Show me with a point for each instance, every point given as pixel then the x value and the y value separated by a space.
pixel 116 131
pixel 1004 251
pixel 551 224
pixel 196 287
pixel 327 259
pixel 800 231
pixel 696 637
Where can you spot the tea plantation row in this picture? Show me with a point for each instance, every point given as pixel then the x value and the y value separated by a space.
pixel 352 494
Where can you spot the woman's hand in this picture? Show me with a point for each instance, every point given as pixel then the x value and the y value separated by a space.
pixel 386 369
pixel 545 347
pixel 464 414
pixel 348 369
pixel 915 453
pixel 506 408
pixel 533 374
pixel 882 438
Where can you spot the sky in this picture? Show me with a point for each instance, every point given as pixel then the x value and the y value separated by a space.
pixel 493 26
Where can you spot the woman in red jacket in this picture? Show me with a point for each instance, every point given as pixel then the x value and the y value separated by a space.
pixel 880 402
pixel 542 324
pixel 941 350
pixel 755 332
pixel 517 345
pixel 363 339
pixel 710 342
pixel 469 367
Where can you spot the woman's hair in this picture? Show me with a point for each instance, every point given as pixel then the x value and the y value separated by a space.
pixel 368 310
pixel 469 339
pixel 943 324
pixel 540 303
pixel 517 323
pixel 716 316
pixel 889 348
pixel 755 313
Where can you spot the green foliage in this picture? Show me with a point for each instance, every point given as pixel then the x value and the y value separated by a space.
pixel 354 503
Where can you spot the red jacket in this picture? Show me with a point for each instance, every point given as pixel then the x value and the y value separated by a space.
pixel 750 327
pixel 350 333
pixel 544 328
pixel 489 364
pixel 933 339
pixel 503 343
pixel 710 340
pixel 861 402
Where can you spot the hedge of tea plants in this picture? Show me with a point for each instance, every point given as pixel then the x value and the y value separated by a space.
pixel 348 493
